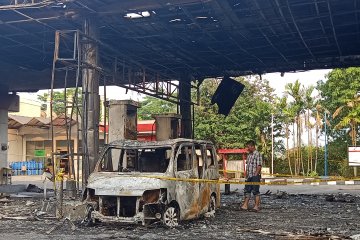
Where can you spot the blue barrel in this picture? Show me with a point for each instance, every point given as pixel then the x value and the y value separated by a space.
pixel 41 165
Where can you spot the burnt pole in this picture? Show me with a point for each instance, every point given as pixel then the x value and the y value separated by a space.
pixel 185 106
pixel 91 98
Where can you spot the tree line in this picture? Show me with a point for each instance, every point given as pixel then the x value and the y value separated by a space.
pixel 299 120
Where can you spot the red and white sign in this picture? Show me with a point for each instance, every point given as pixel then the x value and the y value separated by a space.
pixel 354 156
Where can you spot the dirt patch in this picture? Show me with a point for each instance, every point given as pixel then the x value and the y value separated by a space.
pixel 286 217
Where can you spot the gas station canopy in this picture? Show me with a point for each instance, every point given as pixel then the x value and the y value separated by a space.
pixel 204 38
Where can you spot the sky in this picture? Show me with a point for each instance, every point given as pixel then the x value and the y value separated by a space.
pixel 306 78
pixel 276 81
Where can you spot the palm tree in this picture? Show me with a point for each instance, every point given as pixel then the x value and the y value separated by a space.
pixel 309 104
pixel 318 124
pixel 296 91
pixel 288 116
pixel 352 117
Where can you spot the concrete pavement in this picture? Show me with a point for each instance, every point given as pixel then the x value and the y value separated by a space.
pixel 291 189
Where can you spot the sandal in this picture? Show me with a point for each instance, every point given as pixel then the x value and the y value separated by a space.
pixel 244 209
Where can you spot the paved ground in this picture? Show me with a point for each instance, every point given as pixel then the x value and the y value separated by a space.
pixel 288 212
pixel 291 188
pixel 283 216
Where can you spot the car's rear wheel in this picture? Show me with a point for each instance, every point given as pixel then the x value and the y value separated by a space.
pixel 88 220
pixel 212 204
pixel 171 217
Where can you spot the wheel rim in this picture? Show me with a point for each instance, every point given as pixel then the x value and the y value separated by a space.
pixel 171 217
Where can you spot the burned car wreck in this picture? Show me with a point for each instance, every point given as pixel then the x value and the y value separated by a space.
pixel 146 182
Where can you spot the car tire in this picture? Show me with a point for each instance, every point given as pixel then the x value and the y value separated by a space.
pixel 212 204
pixel 88 221
pixel 171 217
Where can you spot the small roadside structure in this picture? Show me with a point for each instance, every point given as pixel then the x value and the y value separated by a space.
pixel 233 168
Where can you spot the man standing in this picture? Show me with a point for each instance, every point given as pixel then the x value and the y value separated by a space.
pixel 253 175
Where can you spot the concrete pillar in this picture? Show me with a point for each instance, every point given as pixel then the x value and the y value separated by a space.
pixel 122 124
pixel 185 106
pixel 3 137
pixel 23 158
pixel 122 120
pixel 7 103
pixel 91 99
pixel 167 126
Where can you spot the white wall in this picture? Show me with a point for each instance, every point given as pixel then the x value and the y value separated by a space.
pixel 29 108
pixel 15 151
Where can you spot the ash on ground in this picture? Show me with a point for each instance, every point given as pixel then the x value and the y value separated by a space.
pixel 283 216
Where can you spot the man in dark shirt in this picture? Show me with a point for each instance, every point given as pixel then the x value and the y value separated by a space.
pixel 253 175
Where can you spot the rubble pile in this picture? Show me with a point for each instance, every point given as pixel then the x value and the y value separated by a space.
pixel 283 216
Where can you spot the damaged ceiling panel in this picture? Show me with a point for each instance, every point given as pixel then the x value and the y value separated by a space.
pixel 207 38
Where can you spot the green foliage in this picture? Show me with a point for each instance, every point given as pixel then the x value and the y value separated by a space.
pixel 59 100
pixel 151 105
pixel 340 88
pixel 250 117
pixel 313 174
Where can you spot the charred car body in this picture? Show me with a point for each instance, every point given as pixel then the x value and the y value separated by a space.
pixel 134 182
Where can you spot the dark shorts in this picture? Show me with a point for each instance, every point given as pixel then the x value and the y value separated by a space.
pixel 255 189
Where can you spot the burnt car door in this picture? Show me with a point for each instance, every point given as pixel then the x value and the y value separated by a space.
pixel 187 191
pixel 204 187
pixel 212 173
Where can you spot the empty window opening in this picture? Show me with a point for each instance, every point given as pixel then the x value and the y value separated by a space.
pixel 139 160
pixel 184 158
pixel 199 159
pixel 210 157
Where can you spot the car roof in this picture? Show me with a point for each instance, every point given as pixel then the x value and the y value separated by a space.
pixel 142 144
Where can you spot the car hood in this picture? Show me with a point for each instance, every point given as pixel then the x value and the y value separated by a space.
pixel 115 184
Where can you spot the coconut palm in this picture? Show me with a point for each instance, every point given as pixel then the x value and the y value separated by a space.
pixel 309 104
pixel 318 126
pixel 287 114
pixel 351 117
pixel 296 91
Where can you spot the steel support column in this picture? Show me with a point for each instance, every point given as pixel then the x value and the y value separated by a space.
pixel 185 105
pixel 91 99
